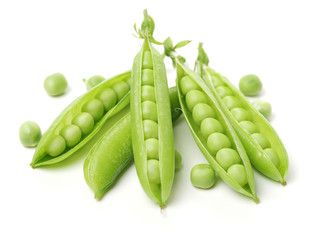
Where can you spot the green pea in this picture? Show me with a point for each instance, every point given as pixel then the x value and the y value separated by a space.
pixel 217 141
pixel 250 85
pixel 178 160
pixel 152 146
pixel 55 84
pixel 72 135
pixel 249 127
pixel 263 107
pixel 93 81
pixel 238 173
pixel 223 91
pixel 202 111
pixel 55 146
pixel 187 84
pixel 202 176
pixel 271 153
pixel 147 60
pixel 121 89
pixel 148 93
pixel 217 82
pixel 95 108
pixel 153 171
pixel 147 77
pixel 149 110
pixel 210 125
pixel 226 157
pixel 261 140
pixel 241 114
pixel 194 97
pixel 150 129
pixel 30 134
pixel 85 122
pixel 108 98
pixel 232 102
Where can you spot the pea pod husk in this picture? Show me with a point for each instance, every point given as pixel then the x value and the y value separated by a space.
pixel 41 158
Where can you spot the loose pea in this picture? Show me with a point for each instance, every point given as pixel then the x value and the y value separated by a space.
pixel 152 146
pixel 261 140
pixel 226 157
pixel 153 171
pixel 202 111
pixel 217 82
pixel 178 160
pixel 237 172
pixel 93 81
pixel 56 146
pixel 30 134
pixel 210 125
pixel 147 77
pixel 249 127
pixel 194 97
pixel 250 85
pixel 232 102
pixel 148 93
pixel 55 84
pixel 241 114
pixel 187 84
pixel 108 98
pixel 271 153
pixel 263 107
pixel 121 89
pixel 202 176
pixel 149 110
pixel 147 60
pixel 72 135
pixel 223 91
pixel 217 141
pixel 95 108
pixel 150 129
pixel 85 122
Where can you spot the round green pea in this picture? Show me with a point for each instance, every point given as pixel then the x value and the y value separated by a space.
pixel 202 111
pixel 249 127
pixel 95 108
pixel 232 102
pixel 153 171
pixel 217 141
pixel 148 93
pixel 223 91
pixel 263 107
pixel 147 60
pixel 210 125
pixel 93 81
pixel 187 84
pixel 261 140
pixel 271 153
pixel 241 114
pixel 149 110
pixel 250 85
pixel 55 146
pixel 85 122
pixel 178 160
pixel 226 157
pixel 72 135
pixel 238 173
pixel 30 134
pixel 121 89
pixel 150 129
pixel 194 97
pixel 108 98
pixel 147 77
pixel 55 84
pixel 202 176
pixel 217 81
pixel 152 146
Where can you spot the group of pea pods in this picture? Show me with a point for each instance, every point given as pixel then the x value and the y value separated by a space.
pixel 229 131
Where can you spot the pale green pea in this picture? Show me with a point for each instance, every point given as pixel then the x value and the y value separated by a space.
pixel 55 84
pixel 153 171
pixel 93 81
pixel 55 146
pixel 232 102
pixel 108 98
pixel 202 176
pixel 148 93
pixel 187 84
pixel 149 110
pixel 152 146
pixel 95 108
pixel 249 127
pixel 223 91
pixel 121 89
pixel 150 129
pixel 241 114
pixel 226 157
pixel 30 134
pixel 217 82
pixel 72 135
pixel 194 97
pixel 210 125
pixel 147 60
pixel 85 122
pixel 238 173
pixel 147 77
pixel 271 153
pixel 261 140
pixel 217 141
pixel 250 85
pixel 202 111
pixel 263 107
pixel 178 160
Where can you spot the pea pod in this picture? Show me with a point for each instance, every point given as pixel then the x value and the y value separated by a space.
pixel 263 146
pixel 152 132
pixel 113 152
pixel 81 120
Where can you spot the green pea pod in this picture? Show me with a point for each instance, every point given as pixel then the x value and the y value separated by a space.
pixel 81 120
pixel 152 132
pixel 113 152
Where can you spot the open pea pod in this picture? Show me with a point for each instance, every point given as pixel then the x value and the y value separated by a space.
pixel 81 120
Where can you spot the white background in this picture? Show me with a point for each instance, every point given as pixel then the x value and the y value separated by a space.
pixel 277 40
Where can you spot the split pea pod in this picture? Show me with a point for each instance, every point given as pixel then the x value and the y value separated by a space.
pixel 152 132
pixel 81 120
pixel 113 152
pixel 263 146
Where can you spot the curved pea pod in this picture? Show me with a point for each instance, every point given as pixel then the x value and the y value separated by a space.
pixel 189 81
pixel 86 115
pixel 263 146
pixel 113 152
